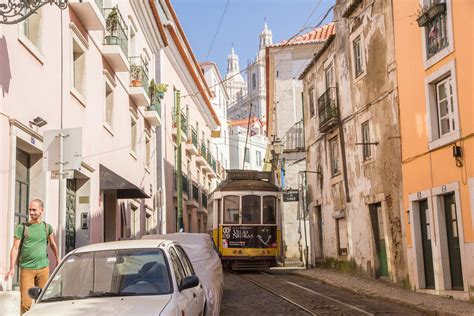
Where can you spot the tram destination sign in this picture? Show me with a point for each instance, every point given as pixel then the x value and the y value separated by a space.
pixel 249 236
pixel 291 196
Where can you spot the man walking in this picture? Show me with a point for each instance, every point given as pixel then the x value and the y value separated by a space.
pixel 31 247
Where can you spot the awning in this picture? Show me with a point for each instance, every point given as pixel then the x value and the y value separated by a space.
pixel 109 180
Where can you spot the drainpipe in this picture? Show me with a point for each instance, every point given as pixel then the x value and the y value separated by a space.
pixel 343 149
pixel 179 178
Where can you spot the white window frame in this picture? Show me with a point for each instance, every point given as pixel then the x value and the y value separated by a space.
pixel 76 37
pixel 354 36
pixel 331 141
pixel 147 160
pixel 311 102
pixel 133 149
pixel 365 142
pixel 247 155
pixel 428 62
pixel 108 82
pixel 434 139
pixel 25 40
pixel 258 158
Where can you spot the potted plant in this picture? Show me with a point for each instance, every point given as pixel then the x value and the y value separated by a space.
pixel 136 75
pixel 112 21
pixel 436 9
pixel 423 17
pixel 152 90
pixel 161 88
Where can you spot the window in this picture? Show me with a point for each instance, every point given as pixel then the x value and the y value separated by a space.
pixel 269 210
pixel 188 267
pixel 334 156
pixel 258 159
pixel 109 105
pixel 133 133
pixel 442 107
pixel 445 107
pixel 329 75
pixel 178 269
pixel 231 210
pixel 78 67
pixel 254 81
pixel 134 220
pixel 251 209
pixel 147 151
pixel 358 59
pixel 31 28
pixel 366 154
pixel 247 155
pixel 341 226
pixel 311 101
pixel 148 222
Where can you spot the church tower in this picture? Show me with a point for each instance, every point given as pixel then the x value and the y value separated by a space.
pixel 234 81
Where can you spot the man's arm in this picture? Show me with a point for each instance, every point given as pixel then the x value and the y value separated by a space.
pixel 13 257
pixel 54 247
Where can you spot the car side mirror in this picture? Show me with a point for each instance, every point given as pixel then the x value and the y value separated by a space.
pixel 189 282
pixel 34 292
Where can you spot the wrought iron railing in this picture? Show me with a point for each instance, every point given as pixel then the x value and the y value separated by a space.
pixel 155 106
pixel 116 30
pixel 194 138
pixel 436 35
pixel 195 191
pixel 327 109
pixel 203 150
pixel 185 184
pixel 204 199
pixel 184 121
pixel 139 73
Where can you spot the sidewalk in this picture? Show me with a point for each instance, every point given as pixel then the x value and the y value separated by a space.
pixel 388 291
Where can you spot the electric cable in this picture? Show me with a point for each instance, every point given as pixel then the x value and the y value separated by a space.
pixel 217 30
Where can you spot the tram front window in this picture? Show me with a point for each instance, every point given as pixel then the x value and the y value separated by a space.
pixel 269 210
pixel 251 209
pixel 231 210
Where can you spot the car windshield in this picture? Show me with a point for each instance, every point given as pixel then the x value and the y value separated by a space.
pixel 110 273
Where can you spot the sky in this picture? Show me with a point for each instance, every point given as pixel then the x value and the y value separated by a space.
pixel 242 23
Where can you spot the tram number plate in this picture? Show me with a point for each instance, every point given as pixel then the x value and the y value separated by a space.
pixel 249 236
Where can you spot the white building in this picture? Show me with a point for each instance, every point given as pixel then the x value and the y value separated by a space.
pixel 247 152
pixel 219 102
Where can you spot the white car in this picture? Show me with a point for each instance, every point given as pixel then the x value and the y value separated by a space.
pixel 201 251
pixel 135 277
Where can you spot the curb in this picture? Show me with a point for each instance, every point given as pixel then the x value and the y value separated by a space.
pixel 410 304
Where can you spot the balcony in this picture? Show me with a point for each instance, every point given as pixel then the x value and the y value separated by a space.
pixel 194 195
pixel 203 202
pixel 185 185
pixel 138 89
pixel 184 126
pixel 115 46
pixel 201 156
pixel 90 13
pixel 191 146
pixel 328 110
pixel 153 113
pixel 293 141
pixel 436 35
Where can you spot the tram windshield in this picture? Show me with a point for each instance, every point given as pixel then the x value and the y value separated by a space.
pixel 251 209
pixel 269 210
pixel 231 210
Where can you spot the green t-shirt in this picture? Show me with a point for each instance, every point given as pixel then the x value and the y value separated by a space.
pixel 34 251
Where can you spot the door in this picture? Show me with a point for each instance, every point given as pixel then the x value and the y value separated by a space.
pixel 70 238
pixel 378 227
pixel 319 234
pixel 454 249
pixel 426 244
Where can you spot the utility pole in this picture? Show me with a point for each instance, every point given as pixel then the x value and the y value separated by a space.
pixel 179 178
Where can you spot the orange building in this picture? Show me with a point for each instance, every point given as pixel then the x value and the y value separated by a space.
pixel 435 73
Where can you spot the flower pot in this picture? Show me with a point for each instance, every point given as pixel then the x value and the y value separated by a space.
pixel 111 40
pixel 423 20
pixel 436 10
pixel 136 83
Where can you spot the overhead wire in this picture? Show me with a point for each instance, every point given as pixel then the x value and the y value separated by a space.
pixel 217 30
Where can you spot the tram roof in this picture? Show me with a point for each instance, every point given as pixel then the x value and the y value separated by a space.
pixel 246 185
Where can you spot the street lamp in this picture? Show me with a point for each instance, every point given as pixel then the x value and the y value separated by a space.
pixel 15 11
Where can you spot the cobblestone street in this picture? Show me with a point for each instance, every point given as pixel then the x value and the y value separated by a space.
pixel 283 293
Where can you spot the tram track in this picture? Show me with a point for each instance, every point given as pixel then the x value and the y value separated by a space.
pixel 272 283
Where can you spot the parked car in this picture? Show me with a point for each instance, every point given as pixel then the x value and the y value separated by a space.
pixel 201 251
pixel 133 277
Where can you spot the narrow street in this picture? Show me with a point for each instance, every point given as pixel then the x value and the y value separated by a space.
pixel 281 293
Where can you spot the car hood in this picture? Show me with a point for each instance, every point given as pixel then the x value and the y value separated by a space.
pixel 128 305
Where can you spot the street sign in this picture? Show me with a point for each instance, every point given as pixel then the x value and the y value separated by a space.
pixel 67 174
pixel 291 196
pixel 72 149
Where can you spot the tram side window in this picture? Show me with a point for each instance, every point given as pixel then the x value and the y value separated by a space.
pixel 251 209
pixel 231 210
pixel 269 210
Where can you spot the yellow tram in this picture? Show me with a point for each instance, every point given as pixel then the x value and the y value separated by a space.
pixel 244 220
